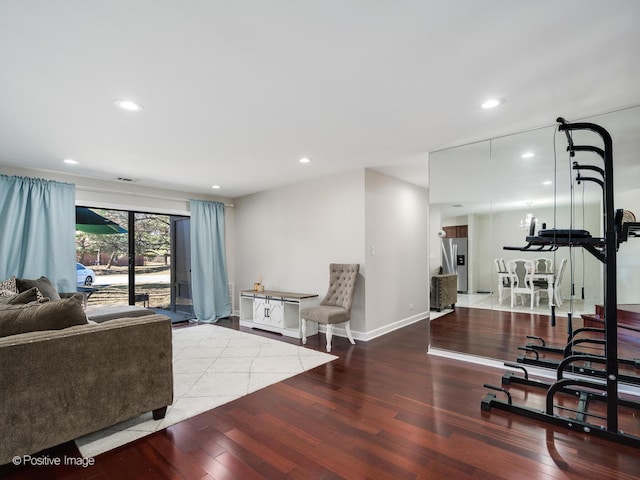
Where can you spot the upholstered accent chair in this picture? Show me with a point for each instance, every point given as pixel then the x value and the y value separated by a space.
pixel 336 305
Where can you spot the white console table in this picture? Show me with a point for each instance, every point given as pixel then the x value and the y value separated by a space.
pixel 276 311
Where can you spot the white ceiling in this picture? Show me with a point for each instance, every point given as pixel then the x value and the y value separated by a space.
pixel 492 175
pixel 235 92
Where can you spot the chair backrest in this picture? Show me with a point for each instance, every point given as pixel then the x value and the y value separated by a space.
pixel 544 265
pixel 520 271
pixel 503 265
pixel 558 278
pixel 342 285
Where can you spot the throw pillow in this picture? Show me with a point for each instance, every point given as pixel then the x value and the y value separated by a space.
pixel 47 289
pixel 27 296
pixel 9 284
pixel 56 315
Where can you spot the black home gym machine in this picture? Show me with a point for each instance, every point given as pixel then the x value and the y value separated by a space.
pixel 575 375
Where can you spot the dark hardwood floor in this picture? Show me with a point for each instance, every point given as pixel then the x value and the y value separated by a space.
pixel 498 334
pixel 384 410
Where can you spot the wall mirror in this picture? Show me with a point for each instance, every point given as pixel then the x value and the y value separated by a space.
pixel 496 187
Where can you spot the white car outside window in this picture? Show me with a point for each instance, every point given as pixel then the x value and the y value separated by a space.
pixel 85 276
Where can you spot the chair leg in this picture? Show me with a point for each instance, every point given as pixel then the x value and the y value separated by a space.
pixel 329 335
pixel 347 328
pixel 303 327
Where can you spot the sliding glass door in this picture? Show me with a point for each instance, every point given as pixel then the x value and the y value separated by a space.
pixel 181 299
pixel 142 259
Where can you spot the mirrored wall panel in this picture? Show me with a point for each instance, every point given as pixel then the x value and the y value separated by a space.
pixel 492 191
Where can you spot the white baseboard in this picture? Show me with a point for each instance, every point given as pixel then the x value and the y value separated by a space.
pixel 378 332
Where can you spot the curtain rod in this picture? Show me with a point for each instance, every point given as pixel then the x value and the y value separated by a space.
pixel 134 194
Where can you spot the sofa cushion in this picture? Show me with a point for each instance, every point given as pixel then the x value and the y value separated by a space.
pixel 43 284
pixel 103 313
pixel 9 284
pixel 56 315
pixel 27 296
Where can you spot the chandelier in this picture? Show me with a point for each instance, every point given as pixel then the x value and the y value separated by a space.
pixel 525 222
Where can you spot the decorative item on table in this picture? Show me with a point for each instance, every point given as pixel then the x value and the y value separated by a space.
pixel 259 285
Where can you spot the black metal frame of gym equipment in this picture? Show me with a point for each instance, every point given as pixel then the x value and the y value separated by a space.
pixel 568 352
pixel 604 249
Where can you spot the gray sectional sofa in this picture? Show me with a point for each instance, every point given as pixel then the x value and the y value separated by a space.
pixel 66 377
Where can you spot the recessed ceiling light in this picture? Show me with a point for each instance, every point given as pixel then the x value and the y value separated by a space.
pixel 215 187
pixel 129 105
pixel 528 155
pixel 304 160
pixel 70 161
pixel 547 182
pixel 492 103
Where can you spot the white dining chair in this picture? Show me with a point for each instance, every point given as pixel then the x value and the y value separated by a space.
pixel 557 283
pixel 521 274
pixel 504 280
pixel 543 265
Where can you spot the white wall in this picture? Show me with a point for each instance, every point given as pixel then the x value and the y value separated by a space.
pixel 629 253
pixel 480 237
pixel 435 244
pixel 287 237
pixel 120 195
pixel 396 238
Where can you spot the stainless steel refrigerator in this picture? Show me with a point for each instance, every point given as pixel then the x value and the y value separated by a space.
pixel 455 260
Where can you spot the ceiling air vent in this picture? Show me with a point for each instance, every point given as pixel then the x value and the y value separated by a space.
pixel 124 179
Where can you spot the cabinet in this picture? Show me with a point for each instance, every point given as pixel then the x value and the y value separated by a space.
pixel 276 311
pixel 267 312
pixel 457 231
pixel 444 291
